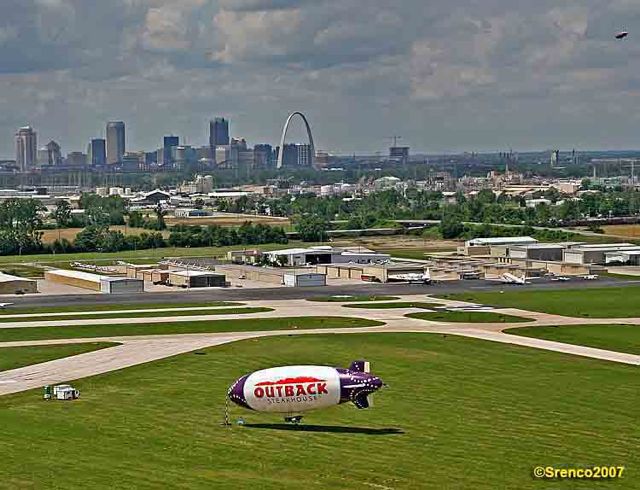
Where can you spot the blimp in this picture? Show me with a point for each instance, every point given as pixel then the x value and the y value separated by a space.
pixel 294 390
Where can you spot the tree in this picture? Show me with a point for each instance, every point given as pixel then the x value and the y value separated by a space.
pixel 312 228
pixel 160 214
pixel 62 213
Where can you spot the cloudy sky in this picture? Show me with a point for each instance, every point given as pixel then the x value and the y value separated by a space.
pixel 445 75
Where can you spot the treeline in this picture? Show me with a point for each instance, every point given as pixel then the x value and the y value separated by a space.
pixel 459 231
pixel 380 209
pixel 101 239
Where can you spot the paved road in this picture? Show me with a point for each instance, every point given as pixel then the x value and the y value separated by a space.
pixel 141 349
pixel 281 293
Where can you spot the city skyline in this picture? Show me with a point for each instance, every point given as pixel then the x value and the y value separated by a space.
pixel 446 77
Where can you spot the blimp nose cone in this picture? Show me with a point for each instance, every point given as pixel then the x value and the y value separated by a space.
pixel 236 392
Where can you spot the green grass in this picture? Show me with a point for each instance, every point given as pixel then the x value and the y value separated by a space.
pixel 18 310
pixel 150 254
pixel 15 357
pixel 400 304
pixel 614 302
pixel 459 413
pixel 235 325
pixel 22 270
pixel 351 299
pixel 620 338
pixel 97 316
pixel 467 317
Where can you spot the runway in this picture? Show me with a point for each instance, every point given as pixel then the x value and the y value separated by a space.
pixel 134 350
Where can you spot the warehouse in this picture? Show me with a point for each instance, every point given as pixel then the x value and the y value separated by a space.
pixel 121 285
pixel 595 254
pixel 293 257
pixel 196 279
pixel 78 279
pixel 628 257
pixel 304 279
pixel 484 246
pixel 537 251
pixel 95 282
pixel 16 285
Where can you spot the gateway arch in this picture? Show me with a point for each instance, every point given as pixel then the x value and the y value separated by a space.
pixel 284 136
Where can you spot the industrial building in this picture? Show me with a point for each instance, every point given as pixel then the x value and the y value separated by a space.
pixel 537 251
pixel 626 257
pixel 17 285
pixel 304 279
pixel 483 246
pixel 293 257
pixel 196 279
pixel 121 285
pixel 596 253
pixel 95 282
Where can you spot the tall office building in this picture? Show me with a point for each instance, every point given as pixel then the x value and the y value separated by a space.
pixel 296 155
pixel 97 152
pixel 218 132
pixel 26 148
pixel 115 142
pixel 54 153
pixel 169 142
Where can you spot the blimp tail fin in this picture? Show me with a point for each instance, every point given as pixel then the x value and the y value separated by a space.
pixel 360 366
pixel 363 400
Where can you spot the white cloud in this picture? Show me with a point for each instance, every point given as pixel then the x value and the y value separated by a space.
pixel 447 75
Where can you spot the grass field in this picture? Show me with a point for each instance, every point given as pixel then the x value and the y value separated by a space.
pixel 621 338
pixel 467 317
pixel 631 231
pixel 15 357
pixel 595 303
pixel 351 299
pixel 399 304
pixel 17 310
pixel 236 325
pixel 50 236
pixel 481 416
pixel 97 316
pixel 148 254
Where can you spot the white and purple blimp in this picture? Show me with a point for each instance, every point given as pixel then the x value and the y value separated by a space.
pixel 292 390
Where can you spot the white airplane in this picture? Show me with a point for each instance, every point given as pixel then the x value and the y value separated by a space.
pixel 3 306
pixel 560 278
pixel 590 277
pixel 509 278
pixel 412 277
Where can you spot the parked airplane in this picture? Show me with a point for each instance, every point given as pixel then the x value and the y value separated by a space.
pixel 412 277
pixel 508 278
pixel 590 277
pixel 3 306
pixel 292 390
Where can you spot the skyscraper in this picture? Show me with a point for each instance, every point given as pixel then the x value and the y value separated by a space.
pixel 54 154
pixel 218 132
pixel 169 142
pixel 26 148
pixel 96 152
pixel 115 142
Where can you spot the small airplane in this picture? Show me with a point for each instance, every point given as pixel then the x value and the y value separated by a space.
pixel 412 277
pixel 590 277
pixel 508 278
pixel 3 306
pixel 622 35
pixel 560 278
pixel 292 390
